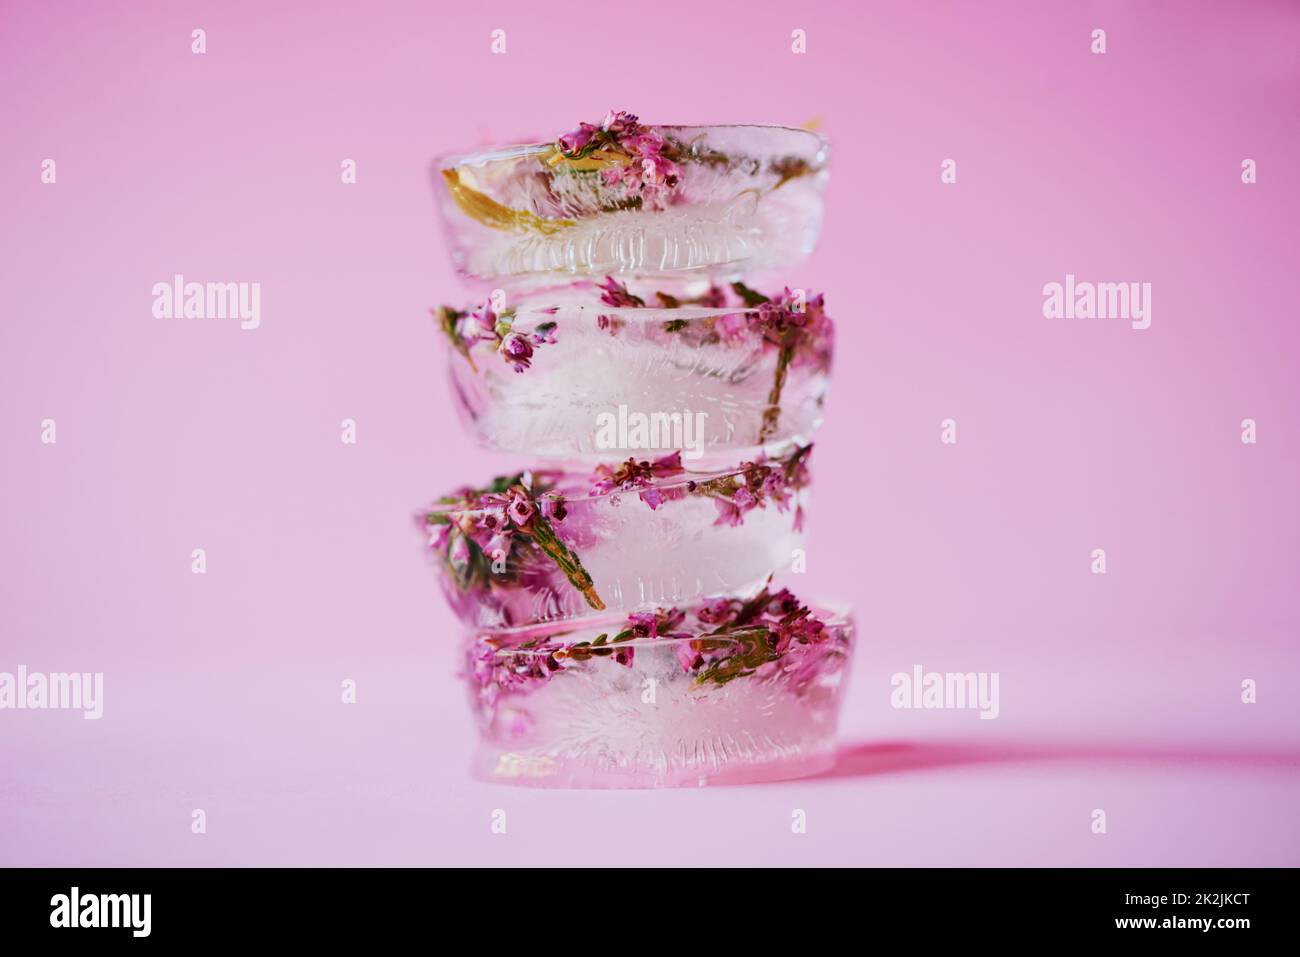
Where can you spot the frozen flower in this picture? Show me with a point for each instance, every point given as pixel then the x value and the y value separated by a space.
pixel 520 507
pixel 639 165
pixel 644 624
pixel 790 319
pixel 575 141
pixel 732 327
pixel 458 554
pixel 728 514
pixel 718 611
pixel 798 626
pixel 484 324
pixel 614 293
pixel 552 506
pixel 492 516
pixel 619 122
pixel 642 474
pixel 744 499
pixel 758 484
pixel 715 298
pixel 782 603
pixel 485 317
pixel 687 656
pixel 517 350
pixel 498 546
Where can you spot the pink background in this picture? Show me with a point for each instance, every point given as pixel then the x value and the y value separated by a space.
pixel 1119 692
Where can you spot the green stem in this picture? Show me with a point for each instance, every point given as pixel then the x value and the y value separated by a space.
pixel 565 558
pixel 773 412
pixel 447 319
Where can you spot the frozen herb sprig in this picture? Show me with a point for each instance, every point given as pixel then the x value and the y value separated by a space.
pixel 756 485
pixel 484 531
pixel 466 328
pixel 789 322
pixel 718 642
pixel 624 153
pixel 642 476
pixel 792 323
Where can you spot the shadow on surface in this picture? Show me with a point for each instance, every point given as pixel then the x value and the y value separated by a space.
pixel 892 757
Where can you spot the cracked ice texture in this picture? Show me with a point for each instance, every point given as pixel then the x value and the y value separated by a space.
pixel 610 365
pixel 600 724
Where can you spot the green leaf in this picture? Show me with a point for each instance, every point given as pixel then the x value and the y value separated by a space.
pixel 448 318
pixel 748 296
pixel 565 558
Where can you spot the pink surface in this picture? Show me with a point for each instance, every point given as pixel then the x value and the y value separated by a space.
pixel 1118 691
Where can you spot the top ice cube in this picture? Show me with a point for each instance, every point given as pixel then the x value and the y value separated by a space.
pixel 625 198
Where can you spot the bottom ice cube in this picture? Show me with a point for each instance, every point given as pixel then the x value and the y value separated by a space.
pixel 728 691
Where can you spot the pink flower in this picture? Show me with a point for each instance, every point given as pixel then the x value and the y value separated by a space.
pixel 575 141
pixel 644 624
pixel 459 552
pixel 654 497
pixel 516 350
pixel 787 319
pixel 728 514
pixel 615 294
pixel 733 326
pixel 485 324
pixel 687 656
pixel 715 298
pixel 543 334
pixel 647 143
pixel 498 545
pixel 485 317
pixel 520 507
pixel 492 517
pixel 647 171
pixel 633 475
pixel 619 122
pixel 782 603
pixel 773 486
pixel 796 472
pixel 552 506
pixel 660 623
pixel 798 626
pixel 718 611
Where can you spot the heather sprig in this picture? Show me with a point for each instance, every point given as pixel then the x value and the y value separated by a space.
pixel 477 529
pixel 640 476
pixel 718 642
pixel 465 328
pixel 789 322
pixel 756 485
pixel 625 154
pixel 793 324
